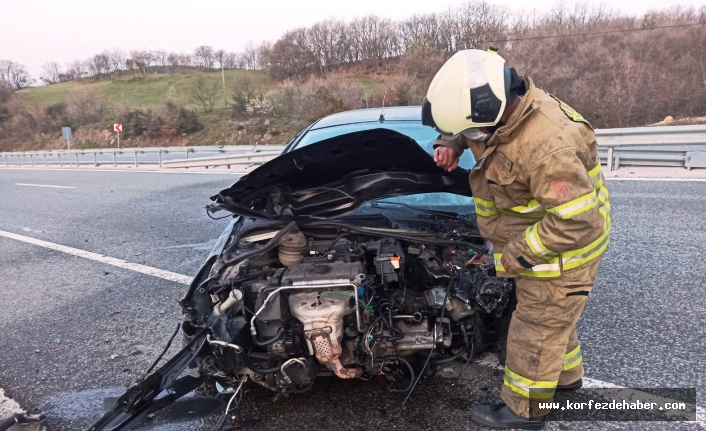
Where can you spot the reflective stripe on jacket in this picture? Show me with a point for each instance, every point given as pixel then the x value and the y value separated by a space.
pixel 539 192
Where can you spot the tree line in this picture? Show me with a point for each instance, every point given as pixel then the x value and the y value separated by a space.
pixel 116 61
pixel 618 70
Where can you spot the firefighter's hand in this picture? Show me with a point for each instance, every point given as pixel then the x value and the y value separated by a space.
pixel 509 265
pixel 446 158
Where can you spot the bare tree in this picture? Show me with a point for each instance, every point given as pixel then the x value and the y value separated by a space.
pixel 204 92
pixel 329 44
pixel 205 57
pixel 116 59
pixel 250 56
pixel 291 55
pixel 75 70
pixel 99 64
pixel 230 60
pixel 159 58
pixel 263 55
pixel 15 73
pixel 139 61
pixel 51 73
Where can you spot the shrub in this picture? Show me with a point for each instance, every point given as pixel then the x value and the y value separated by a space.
pixel 204 93
pixel 178 120
pixel 321 97
pixel 87 107
pixel 245 88
pixel 259 106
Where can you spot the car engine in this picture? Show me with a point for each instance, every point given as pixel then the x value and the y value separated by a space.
pixel 287 306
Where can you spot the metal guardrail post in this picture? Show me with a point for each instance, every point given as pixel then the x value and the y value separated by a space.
pixel 18 161
pixel 31 160
pixel 46 165
pixel 610 159
pixel 77 164
pixel 159 155
pixel 6 162
pixel 115 160
pixel 95 160
pixel 58 155
pixel 135 158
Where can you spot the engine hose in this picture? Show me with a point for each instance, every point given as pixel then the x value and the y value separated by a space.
pixel 411 378
pixel 271 244
pixel 269 341
pixel 248 363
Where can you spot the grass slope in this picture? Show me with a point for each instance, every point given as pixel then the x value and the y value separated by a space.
pixel 151 92
pixel 146 91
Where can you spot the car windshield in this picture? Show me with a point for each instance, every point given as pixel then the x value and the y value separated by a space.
pixel 425 136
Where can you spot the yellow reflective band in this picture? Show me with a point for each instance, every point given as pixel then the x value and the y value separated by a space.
pixel 485 208
pixel 498 266
pixel 572 359
pixel 596 177
pixel 532 206
pixel 575 258
pixel 603 195
pixel 595 172
pixel 535 243
pixel 575 207
pixel 533 209
pixel 483 213
pixel 484 202
pixel 534 215
pixel 529 388
pixel 547 270
pixel 598 184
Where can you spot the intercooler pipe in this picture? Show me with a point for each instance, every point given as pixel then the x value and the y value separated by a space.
pixel 311 284
pixel 234 297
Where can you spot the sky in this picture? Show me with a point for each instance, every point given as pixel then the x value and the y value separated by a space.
pixel 33 32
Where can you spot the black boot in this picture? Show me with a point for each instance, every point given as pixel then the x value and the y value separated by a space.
pixel 578 384
pixel 501 417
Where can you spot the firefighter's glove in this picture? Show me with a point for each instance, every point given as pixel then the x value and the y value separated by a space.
pixel 516 257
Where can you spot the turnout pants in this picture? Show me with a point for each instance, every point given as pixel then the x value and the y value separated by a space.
pixel 543 349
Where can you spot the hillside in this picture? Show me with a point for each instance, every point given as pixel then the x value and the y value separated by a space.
pixel 153 107
pixel 617 70
pixel 137 91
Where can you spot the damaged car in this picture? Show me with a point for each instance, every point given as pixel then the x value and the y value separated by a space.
pixel 351 255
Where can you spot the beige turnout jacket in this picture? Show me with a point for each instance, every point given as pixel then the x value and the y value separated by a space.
pixel 539 192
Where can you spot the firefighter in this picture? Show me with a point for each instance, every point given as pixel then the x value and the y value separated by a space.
pixel 542 201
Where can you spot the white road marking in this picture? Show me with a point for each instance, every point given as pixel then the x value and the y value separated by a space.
pixel 136 267
pixel 44 185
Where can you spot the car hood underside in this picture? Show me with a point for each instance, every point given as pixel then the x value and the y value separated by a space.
pixel 337 175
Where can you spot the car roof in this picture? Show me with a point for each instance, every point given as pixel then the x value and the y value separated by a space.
pixel 392 113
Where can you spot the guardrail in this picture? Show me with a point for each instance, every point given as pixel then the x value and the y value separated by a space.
pixel 236 159
pixel 663 146
pixel 126 156
pixel 678 146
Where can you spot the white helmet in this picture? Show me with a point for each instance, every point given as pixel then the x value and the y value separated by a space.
pixel 470 90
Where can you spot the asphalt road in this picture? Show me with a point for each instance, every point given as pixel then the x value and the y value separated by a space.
pixel 65 318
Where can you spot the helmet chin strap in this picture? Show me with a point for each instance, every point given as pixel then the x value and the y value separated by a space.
pixel 476 134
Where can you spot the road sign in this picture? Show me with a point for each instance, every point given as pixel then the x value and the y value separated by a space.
pixel 117 127
pixel 66 133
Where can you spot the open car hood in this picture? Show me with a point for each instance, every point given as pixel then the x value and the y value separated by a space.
pixel 337 175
